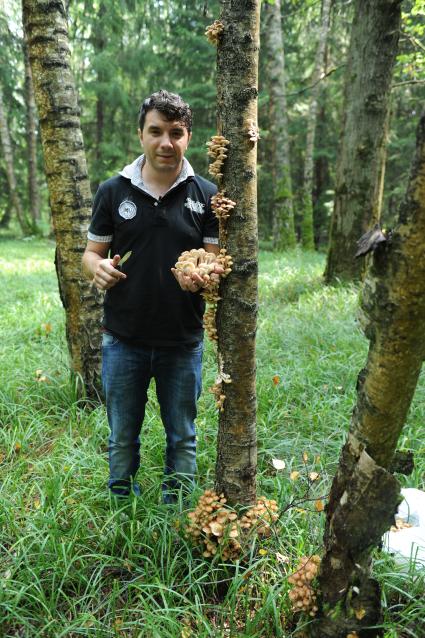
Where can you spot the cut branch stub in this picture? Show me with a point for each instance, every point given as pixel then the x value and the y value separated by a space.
pixel 214 31
pixel 253 131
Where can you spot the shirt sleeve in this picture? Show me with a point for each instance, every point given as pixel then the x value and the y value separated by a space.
pixel 101 227
pixel 210 229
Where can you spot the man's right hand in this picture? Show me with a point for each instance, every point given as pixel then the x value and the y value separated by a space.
pixel 106 274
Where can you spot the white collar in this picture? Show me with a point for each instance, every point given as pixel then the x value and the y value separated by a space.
pixel 133 172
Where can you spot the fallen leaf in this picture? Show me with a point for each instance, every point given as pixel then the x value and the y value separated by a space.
pixel 294 475
pixel 278 464
pixel 319 505
pixel 360 613
pixel 313 476
pixel 47 327
pixel 276 379
pixel 281 558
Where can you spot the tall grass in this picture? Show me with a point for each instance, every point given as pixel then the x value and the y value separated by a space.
pixel 75 564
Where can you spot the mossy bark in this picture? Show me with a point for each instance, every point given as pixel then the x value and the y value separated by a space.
pixel 361 161
pixel 46 33
pixel 307 225
pixel 364 494
pixel 237 84
pixel 283 212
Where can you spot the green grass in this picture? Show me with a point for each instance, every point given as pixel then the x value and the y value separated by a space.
pixel 74 565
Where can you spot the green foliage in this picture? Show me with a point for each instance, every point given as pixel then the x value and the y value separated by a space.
pixel 74 564
pixel 123 51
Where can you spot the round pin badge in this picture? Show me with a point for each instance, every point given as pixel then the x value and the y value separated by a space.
pixel 127 209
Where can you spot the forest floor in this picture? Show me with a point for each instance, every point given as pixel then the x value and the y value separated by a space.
pixel 74 565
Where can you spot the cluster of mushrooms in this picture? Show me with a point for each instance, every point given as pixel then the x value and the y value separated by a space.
pixel 219 529
pixel 217 150
pixel 214 31
pixel 302 596
pixel 203 263
pixel 222 378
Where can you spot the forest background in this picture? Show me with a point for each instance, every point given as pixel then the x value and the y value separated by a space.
pixel 123 51
pixel 98 576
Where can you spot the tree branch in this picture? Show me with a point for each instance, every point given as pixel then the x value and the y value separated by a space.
pixel 407 82
pixel 325 75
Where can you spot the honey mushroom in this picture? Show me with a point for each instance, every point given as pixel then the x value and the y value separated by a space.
pixel 217 527
pixel 222 206
pixel 217 149
pixel 302 595
pixel 214 31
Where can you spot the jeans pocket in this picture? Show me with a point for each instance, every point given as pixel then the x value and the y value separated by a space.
pixel 194 348
pixel 109 339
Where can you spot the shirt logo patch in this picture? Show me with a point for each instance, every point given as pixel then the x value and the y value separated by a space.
pixel 127 209
pixel 196 207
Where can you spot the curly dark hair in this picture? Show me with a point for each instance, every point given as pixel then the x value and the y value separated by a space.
pixel 170 105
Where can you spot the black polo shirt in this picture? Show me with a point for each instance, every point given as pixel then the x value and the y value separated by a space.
pixel 149 307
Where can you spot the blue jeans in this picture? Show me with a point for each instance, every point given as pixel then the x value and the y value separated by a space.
pixel 126 374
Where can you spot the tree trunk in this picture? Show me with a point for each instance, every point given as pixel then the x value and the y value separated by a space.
pixel 283 213
pixel 364 494
pixel 307 229
pixel 359 174
pixel 69 190
pixel 237 85
pixel 33 191
pixel 10 167
pixel 99 43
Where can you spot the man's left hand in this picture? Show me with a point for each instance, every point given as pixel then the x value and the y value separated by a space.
pixel 193 282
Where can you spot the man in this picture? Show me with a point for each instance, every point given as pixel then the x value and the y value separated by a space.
pixel 150 213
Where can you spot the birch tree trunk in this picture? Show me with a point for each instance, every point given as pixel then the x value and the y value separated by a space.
pixel 283 212
pixel 307 227
pixel 237 85
pixel 99 43
pixel 360 168
pixel 6 142
pixel 364 493
pixel 31 119
pixel 46 33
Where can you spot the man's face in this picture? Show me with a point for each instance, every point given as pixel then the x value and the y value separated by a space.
pixel 164 143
